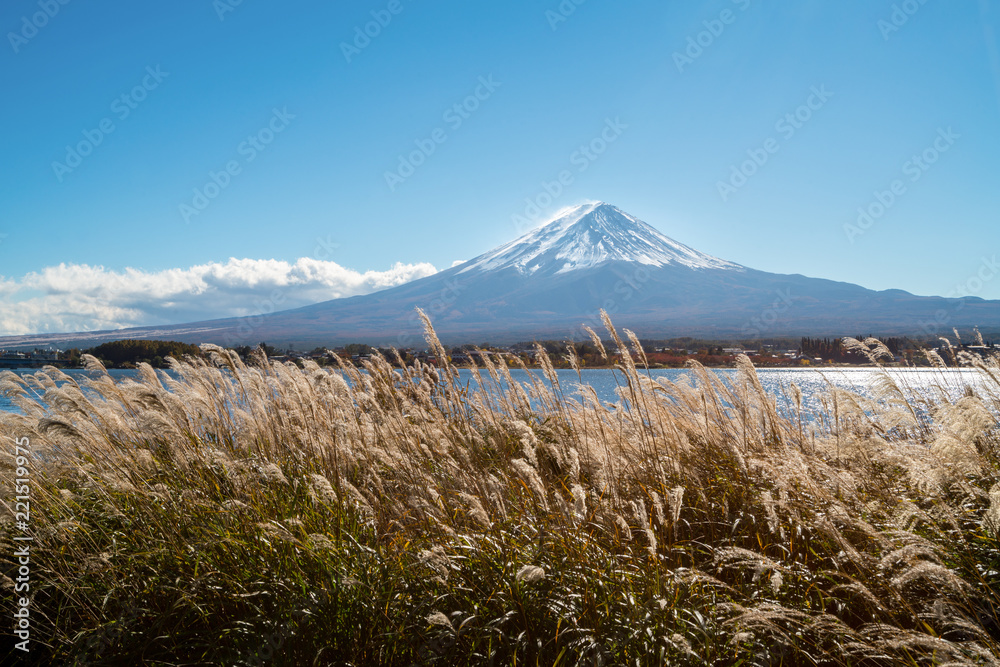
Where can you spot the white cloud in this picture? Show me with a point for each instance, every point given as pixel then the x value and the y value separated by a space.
pixel 79 297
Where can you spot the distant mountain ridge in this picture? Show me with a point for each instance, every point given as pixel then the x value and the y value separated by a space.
pixel 550 281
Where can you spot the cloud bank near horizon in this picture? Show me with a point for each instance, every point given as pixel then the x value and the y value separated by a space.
pixel 78 297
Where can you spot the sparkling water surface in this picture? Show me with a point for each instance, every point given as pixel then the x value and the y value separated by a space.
pixel 813 383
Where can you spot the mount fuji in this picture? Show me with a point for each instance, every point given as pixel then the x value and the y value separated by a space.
pixel 549 282
pixel 586 237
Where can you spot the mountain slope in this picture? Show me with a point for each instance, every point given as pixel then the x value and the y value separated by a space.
pixel 552 280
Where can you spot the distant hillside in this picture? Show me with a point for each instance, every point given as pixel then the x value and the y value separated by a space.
pixel 554 279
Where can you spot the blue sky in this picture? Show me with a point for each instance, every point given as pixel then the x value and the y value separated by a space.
pixel 309 116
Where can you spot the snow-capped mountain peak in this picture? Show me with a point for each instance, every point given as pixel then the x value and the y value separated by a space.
pixel 586 236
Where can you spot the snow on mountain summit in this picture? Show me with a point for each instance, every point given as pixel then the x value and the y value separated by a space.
pixel 590 235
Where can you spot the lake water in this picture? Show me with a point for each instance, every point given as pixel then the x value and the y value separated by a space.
pixel 813 383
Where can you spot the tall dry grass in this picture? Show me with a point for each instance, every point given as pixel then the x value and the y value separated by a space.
pixel 264 514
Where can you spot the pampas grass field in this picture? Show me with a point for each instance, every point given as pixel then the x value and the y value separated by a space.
pixel 232 514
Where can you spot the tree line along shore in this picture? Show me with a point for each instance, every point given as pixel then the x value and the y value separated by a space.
pixel 805 352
